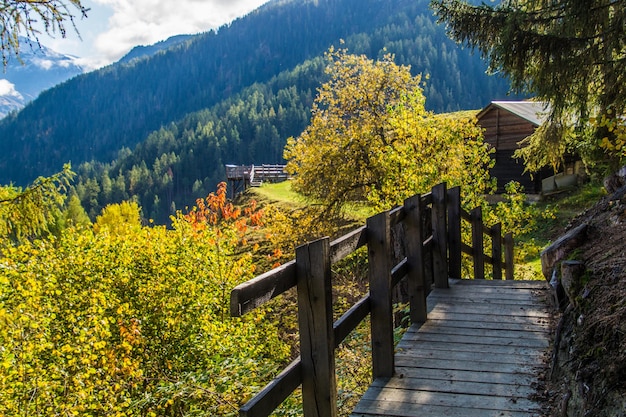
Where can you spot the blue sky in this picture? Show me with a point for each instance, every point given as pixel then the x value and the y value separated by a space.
pixel 113 27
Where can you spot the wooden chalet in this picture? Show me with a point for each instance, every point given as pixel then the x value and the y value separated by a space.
pixel 241 177
pixel 506 123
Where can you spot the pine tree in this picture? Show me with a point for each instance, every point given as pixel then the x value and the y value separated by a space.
pixel 570 53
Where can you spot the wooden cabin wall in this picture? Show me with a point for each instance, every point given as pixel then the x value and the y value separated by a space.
pixel 503 129
pixel 507 169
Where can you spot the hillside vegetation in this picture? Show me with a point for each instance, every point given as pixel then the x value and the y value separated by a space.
pixel 105 312
pixel 588 367
pixel 143 309
pixel 95 115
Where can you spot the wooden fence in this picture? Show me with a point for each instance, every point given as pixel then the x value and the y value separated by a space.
pixel 433 252
pixel 240 177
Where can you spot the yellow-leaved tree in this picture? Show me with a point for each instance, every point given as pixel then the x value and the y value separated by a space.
pixel 371 139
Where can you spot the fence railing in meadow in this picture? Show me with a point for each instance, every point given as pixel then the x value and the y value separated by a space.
pixel 433 247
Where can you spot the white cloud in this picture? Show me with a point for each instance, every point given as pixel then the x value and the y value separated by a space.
pixel 144 22
pixel 45 64
pixel 114 27
pixel 8 89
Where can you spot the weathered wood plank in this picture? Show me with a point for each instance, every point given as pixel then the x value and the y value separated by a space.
pixel 259 290
pixel 494 283
pixel 461 320
pixel 348 243
pixel 351 319
pixel 496 250
pixel 473 297
pixel 396 215
pixel 475 356
pixel 398 272
pixel 495 297
pixel 368 408
pixel 457 387
pixel 449 327
pixel 274 393
pixel 454 232
pixel 440 236
pixel 503 378
pixel 521 357
pixel 442 350
pixel 387 396
pixel 462 315
pixel 417 281
pixel 381 317
pixel 519 308
pixel 508 257
pixel 493 310
pixel 477 243
pixel 406 347
pixel 317 337
pixel 477 339
pixel 442 364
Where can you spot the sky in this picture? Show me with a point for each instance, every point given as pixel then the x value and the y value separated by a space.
pixel 114 27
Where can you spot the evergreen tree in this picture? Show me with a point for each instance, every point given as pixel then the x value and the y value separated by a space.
pixel 34 211
pixel 570 53
pixel 74 214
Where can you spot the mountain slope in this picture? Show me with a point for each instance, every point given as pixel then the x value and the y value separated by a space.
pixel 40 69
pixel 95 115
pixel 144 51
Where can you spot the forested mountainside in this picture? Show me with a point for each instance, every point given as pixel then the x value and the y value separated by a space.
pixel 144 51
pixel 185 160
pixel 94 115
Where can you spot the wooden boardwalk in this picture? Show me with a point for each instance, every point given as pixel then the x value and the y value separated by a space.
pixel 479 354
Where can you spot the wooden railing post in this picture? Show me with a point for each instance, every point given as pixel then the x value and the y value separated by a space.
pixel 508 255
pixel 440 236
pixel 496 250
pixel 315 319
pixel 415 256
pixel 454 232
pixel 380 255
pixel 477 243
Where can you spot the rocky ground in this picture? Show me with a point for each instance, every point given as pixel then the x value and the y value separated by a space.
pixel 588 369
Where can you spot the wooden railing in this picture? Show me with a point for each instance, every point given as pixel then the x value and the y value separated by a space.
pixel 433 250
pixel 265 172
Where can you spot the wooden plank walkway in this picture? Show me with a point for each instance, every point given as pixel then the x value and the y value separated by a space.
pixel 479 354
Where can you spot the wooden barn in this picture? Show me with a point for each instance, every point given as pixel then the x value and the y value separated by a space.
pixel 506 123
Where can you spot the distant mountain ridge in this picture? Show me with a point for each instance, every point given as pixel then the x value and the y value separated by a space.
pixel 145 51
pixel 94 115
pixel 41 68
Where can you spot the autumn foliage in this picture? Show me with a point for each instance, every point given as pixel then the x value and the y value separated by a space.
pixel 133 320
pixel 372 140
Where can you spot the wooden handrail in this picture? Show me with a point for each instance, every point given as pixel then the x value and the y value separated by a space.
pixel 476 250
pixel 432 246
pixel 261 289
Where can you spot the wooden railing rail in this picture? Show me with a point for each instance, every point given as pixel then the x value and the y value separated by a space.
pixel 433 252
pixel 477 249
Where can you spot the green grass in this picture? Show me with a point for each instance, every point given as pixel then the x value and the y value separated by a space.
pixel 279 192
pixel 283 195
pixel 564 207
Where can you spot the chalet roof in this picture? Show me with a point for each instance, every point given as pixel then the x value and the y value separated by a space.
pixel 536 112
